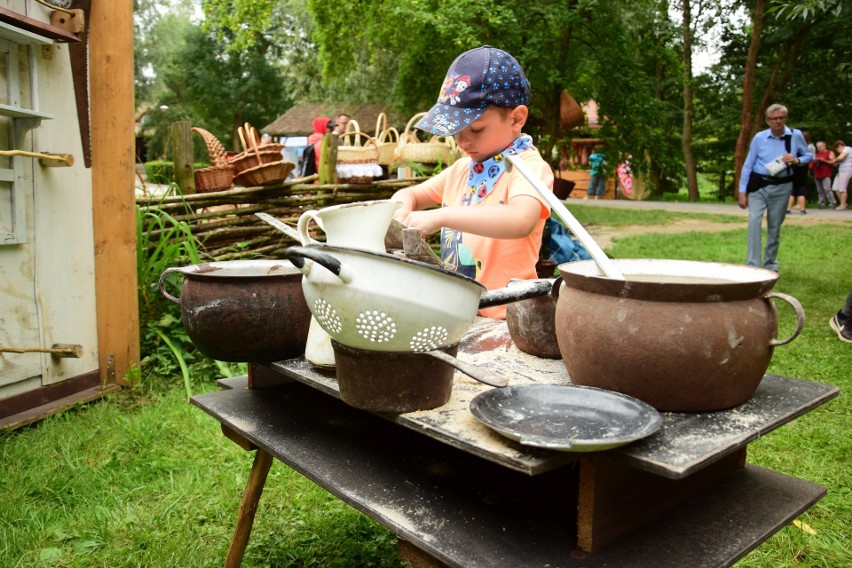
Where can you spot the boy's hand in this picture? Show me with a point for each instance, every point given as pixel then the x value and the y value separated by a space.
pixel 427 221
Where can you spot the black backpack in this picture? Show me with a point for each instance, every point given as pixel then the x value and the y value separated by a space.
pixel 800 172
pixel 309 163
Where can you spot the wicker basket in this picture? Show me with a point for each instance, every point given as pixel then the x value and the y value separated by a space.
pixel 439 149
pixel 253 154
pixel 265 171
pixel 387 140
pixel 351 148
pixel 219 176
pixel 359 166
pixel 570 113
pixel 265 174
pixel 247 160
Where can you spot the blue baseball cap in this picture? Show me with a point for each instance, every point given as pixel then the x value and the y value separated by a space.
pixel 477 79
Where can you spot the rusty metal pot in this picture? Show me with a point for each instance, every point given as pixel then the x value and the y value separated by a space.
pixel 682 336
pixel 394 382
pixel 532 323
pixel 243 310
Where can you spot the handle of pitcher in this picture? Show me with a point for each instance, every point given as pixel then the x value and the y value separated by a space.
pixel 800 317
pixel 302 226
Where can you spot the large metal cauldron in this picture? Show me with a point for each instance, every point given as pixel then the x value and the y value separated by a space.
pixel 243 310
pixel 682 336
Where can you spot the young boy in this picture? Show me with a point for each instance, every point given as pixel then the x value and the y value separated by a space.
pixel 491 219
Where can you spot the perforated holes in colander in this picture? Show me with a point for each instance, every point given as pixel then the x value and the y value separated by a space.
pixel 327 316
pixel 375 326
pixel 429 339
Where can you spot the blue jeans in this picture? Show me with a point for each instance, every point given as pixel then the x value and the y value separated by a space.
pixel 597 185
pixel 771 199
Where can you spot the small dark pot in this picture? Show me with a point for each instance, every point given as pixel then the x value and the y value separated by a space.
pixel 393 382
pixel 532 326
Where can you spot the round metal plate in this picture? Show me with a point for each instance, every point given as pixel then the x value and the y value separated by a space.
pixel 565 417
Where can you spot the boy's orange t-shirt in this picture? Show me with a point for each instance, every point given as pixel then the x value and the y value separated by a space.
pixel 492 262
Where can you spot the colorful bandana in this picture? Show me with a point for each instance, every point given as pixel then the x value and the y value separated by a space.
pixel 483 175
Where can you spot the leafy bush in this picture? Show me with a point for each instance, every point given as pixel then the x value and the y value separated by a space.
pixel 163 171
pixel 160 171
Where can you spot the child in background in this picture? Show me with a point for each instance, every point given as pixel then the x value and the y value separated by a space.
pixel 491 219
pixel 597 181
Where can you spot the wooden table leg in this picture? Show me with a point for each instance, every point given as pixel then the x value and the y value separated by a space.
pixel 615 499
pixel 248 507
pixel 413 557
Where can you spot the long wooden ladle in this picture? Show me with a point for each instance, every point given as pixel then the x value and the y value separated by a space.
pixel 281 226
pixel 603 261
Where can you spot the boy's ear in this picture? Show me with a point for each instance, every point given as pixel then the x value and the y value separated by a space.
pixel 519 116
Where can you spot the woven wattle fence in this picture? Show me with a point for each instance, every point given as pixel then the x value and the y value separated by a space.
pixel 225 224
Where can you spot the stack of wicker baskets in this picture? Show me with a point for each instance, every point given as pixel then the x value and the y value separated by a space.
pixel 219 176
pixel 259 165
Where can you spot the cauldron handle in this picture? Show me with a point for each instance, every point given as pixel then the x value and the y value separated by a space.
pixel 162 287
pixel 800 317
pixel 554 290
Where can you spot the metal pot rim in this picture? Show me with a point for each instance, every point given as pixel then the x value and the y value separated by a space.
pixel 733 274
pixel 252 268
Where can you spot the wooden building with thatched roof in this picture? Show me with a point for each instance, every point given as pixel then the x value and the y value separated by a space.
pixel 297 121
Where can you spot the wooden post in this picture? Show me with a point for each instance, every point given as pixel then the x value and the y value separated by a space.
pixel 182 152
pixel 110 29
pixel 328 160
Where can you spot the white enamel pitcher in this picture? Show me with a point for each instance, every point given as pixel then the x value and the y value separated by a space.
pixel 360 225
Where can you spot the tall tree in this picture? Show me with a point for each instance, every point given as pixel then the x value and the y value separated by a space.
pixel 745 135
pixel 688 95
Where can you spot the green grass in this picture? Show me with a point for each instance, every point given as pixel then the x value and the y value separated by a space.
pixel 144 479
pixel 589 215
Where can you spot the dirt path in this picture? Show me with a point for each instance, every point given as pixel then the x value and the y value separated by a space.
pixel 604 235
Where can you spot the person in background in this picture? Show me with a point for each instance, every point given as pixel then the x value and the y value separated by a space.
pixel 799 189
pixel 342 120
pixel 322 125
pixel 843 161
pixel 841 322
pixel 822 175
pixel 265 138
pixel 597 181
pixel 490 217
pixel 761 192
